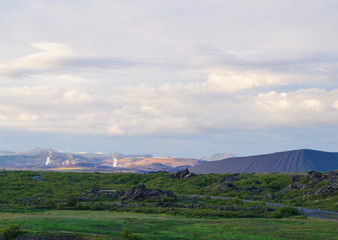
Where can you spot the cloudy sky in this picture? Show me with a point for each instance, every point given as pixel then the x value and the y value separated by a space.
pixel 179 78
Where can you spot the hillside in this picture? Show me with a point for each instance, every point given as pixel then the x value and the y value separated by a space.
pixel 47 189
pixel 291 161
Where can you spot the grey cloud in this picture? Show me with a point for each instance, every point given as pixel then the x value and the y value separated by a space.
pixel 105 62
pixel 273 60
pixel 70 63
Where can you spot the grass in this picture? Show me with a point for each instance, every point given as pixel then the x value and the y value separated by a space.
pixel 18 186
pixel 109 225
pixel 25 201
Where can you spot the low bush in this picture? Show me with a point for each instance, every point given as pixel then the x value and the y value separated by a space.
pixel 127 234
pixel 288 211
pixel 283 212
pixel 72 200
pixel 10 233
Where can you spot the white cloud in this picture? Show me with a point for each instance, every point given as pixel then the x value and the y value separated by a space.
pixel 301 108
pixel 165 68
pixel 114 130
pixel 173 110
pixel 49 57
pixel 24 117
pixel 335 105
pixel 209 97
pixel 232 81
pixel 74 96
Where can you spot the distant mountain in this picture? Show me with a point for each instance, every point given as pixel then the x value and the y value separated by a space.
pixel 144 163
pixel 218 156
pixel 291 161
pixel 37 152
pixel 49 159
pixel 6 152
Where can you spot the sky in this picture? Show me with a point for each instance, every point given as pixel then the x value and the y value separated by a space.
pixel 169 78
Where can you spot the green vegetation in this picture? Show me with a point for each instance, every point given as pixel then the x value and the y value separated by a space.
pixel 10 232
pixel 110 225
pixel 90 206
pixel 127 234
pixel 26 189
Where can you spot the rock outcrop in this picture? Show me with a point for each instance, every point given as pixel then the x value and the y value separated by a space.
pixel 315 176
pixel 255 189
pixel 296 183
pixel 183 174
pixel 137 192
pixel 94 194
pixel 227 182
pixel 230 178
pixel 332 177
pixel 299 182
pixel 141 192
pixel 225 186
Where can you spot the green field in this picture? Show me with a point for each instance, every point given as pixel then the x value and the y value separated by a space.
pixel 77 205
pixel 46 189
pixel 109 225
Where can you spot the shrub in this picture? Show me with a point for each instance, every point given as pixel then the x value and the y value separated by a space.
pixel 304 180
pixel 127 234
pixel 72 200
pixel 235 201
pixel 50 203
pixel 166 199
pixel 282 212
pixel 274 214
pixel 288 211
pixel 11 232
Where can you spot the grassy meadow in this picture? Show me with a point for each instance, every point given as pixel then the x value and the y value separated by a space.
pixel 73 205
pixel 109 225
pixel 56 187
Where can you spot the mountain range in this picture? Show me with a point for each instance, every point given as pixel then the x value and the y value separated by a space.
pixel 49 159
pixel 290 161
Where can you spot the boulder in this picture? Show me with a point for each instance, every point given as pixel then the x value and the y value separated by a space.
pixel 227 182
pixel 94 194
pixel 183 174
pixel 257 182
pixel 228 208
pixel 314 174
pixel 253 208
pixel 332 177
pixel 267 209
pixel 141 192
pixel 295 179
pixel 322 191
pixel 135 193
pixel 225 186
pixel 255 189
pixel 315 177
pixel 165 204
pixel 295 184
pixel 229 179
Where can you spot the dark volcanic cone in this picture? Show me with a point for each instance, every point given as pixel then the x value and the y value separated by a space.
pixel 291 161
